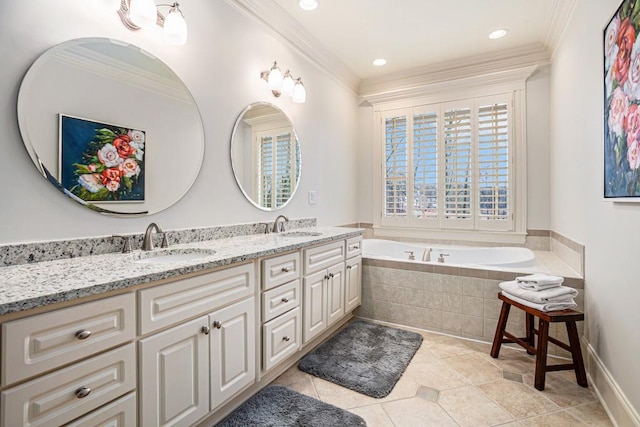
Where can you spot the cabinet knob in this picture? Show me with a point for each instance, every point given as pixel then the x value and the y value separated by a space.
pixel 83 392
pixel 205 330
pixel 331 275
pixel 217 324
pixel 286 339
pixel 285 299
pixel 285 269
pixel 348 267
pixel 83 334
pixel 326 277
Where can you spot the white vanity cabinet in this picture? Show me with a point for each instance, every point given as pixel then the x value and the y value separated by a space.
pixel 323 288
pixel 194 367
pixel 281 314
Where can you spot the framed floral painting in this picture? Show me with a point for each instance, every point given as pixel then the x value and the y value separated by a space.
pixel 101 162
pixel 622 104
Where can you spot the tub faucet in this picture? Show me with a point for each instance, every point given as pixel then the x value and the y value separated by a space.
pixel 426 256
pixel 278 225
pixel 441 257
pixel 147 243
pixel 412 257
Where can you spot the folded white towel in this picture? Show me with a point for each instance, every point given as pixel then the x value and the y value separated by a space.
pixel 549 306
pixel 539 281
pixel 554 294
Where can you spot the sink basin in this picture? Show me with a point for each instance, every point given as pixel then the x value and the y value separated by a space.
pixel 301 233
pixel 167 256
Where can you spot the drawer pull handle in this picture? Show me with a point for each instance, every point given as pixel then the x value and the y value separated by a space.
pixel 285 269
pixel 205 330
pixel 285 299
pixel 83 392
pixel 286 339
pixel 83 334
pixel 217 324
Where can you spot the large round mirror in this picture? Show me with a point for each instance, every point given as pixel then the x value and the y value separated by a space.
pixel 111 126
pixel 265 156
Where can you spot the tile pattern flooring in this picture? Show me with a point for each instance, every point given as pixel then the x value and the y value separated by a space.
pixel 455 382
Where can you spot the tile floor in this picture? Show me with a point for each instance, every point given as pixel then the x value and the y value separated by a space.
pixel 455 382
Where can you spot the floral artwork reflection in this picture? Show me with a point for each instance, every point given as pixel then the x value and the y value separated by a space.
pixel 100 162
pixel 622 99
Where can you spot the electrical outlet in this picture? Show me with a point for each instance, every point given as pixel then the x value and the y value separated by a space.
pixel 313 198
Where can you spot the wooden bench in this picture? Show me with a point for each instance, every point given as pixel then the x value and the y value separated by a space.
pixel 569 317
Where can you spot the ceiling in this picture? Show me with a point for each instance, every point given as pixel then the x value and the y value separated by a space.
pixel 411 34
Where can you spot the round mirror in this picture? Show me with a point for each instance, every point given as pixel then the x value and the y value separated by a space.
pixel 265 156
pixel 111 126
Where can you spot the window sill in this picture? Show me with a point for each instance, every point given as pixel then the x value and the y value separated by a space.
pixel 494 237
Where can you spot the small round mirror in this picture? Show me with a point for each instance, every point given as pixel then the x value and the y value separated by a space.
pixel 265 156
pixel 111 126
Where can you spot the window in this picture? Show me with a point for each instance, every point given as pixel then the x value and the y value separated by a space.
pixel 275 174
pixel 449 165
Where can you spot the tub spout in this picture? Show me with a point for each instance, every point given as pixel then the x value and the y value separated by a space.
pixel 426 256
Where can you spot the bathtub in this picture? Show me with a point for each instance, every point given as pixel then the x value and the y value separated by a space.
pixel 470 256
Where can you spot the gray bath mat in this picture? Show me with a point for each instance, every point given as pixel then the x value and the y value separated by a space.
pixel 277 406
pixel 364 357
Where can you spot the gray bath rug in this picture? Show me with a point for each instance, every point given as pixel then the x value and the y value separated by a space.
pixel 277 406
pixel 364 357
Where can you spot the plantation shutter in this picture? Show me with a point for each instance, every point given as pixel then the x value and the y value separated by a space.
pixel 458 172
pixel 425 165
pixel 395 166
pixel 282 173
pixel 494 198
pixel 265 170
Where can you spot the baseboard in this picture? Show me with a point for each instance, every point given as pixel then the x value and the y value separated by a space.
pixel 614 401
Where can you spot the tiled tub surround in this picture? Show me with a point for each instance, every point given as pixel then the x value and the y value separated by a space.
pixel 28 286
pixel 23 253
pixel 453 300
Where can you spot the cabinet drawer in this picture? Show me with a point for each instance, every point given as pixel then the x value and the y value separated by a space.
pixel 281 338
pixel 280 300
pixel 321 257
pixel 46 341
pixel 174 302
pixel 280 269
pixel 120 413
pixel 354 246
pixel 52 400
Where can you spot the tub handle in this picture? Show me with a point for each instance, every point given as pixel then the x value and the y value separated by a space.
pixel 412 257
pixel 441 257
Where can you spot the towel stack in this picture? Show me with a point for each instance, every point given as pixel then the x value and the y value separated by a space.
pixel 540 291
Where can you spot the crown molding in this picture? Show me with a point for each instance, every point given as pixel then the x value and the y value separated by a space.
pixel 274 17
pixel 421 78
pixel 557 23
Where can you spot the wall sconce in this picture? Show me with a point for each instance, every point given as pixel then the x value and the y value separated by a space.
pixel 284 84
pixel 136 14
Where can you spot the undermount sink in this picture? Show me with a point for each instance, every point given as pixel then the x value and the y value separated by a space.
pixel 301 233
pixel 167 256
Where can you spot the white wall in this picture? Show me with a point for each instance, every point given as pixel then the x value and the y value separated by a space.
pixel 220 64
pixel 609 231
pixel 537 154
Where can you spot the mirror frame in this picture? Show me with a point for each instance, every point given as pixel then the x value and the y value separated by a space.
pixel 233 163
pixel 23 102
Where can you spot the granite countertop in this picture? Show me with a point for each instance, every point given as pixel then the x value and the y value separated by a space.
pixel 27 286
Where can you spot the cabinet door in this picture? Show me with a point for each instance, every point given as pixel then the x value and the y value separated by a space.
pixel 335 293
pixel 353 283
pixel 174 387
pixel 315 305
pixel 233 350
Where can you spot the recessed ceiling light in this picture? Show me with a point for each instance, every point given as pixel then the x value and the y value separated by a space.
pixel 308 4
pixel 379 62
pixel 498 34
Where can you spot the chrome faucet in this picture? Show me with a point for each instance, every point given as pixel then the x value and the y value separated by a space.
pixel 426 256
pixel 278 226
pixel 147 243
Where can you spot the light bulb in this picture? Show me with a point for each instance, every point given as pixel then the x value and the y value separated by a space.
pixel 275 78
pixel 175 28
pixel 308 4
pixel 143 13
pixel 299 93
pixel 287 84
